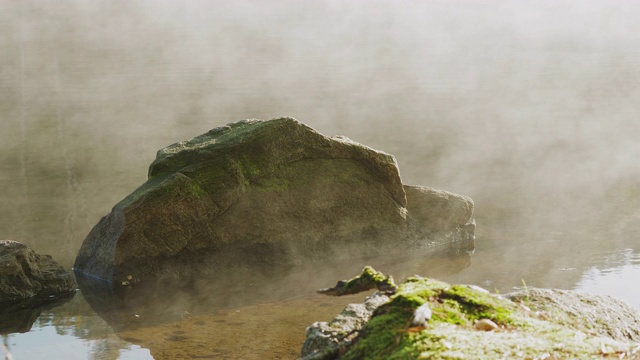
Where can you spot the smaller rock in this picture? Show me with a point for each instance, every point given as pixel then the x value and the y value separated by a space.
pixel 439 210
pixel 485 325
pixel 25 274
pixel 367 280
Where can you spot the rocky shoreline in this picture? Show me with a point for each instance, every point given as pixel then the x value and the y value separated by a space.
pixel 467 322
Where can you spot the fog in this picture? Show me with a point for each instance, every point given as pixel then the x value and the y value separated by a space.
pixel 527 107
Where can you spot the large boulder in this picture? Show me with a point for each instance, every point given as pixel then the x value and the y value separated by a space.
pixel 26 274
pixel 429 319
pixel 256 193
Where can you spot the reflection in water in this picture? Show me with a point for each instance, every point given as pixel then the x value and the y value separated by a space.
pixel 614 274
pixel 264 316
pixel 71 331
pixel 48 343
pixel 138 305
pixel 251 315
pixel 19 316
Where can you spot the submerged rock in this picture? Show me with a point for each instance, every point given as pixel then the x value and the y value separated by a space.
pixel 25 274
pixel 470 323
pixel 265 193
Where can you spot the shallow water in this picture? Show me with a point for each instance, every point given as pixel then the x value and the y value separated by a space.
pixel 271 322
pixel 613 274
pixel 275 329
pixel 529 108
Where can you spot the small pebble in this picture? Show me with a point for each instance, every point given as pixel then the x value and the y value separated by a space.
pixel 485 325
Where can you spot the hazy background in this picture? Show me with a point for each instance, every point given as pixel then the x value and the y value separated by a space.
pixel 528 107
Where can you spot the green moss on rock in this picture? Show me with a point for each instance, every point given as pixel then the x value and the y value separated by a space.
pixel 368 279
pixel 391 335
pixel 474 305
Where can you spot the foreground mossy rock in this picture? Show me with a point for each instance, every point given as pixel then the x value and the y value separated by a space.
pixel 273 192
pixel 467 322
pixel 25 274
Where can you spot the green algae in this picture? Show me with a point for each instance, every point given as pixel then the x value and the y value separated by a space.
pixel 197 191
pixel 219 140
pixel 167 186
pixel 303 175
pixel 249 167
pixel 475 305
pixel 258 149
pixel 145 189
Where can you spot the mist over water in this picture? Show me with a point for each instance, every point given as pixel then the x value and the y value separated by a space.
pixel 529 108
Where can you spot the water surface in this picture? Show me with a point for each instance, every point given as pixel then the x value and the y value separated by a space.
pixel 529 108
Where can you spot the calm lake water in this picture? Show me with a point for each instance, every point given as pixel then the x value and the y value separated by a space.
pixel 529 108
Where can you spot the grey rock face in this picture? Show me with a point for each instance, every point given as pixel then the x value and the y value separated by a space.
pixel 325 338
pixel 438 214
pixel 438 210
pixel 595 314
pixel 260 193
pixel 25 274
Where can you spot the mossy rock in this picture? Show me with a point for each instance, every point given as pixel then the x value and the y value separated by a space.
pixel 367 280
pixel 539 324
pixel 265 193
